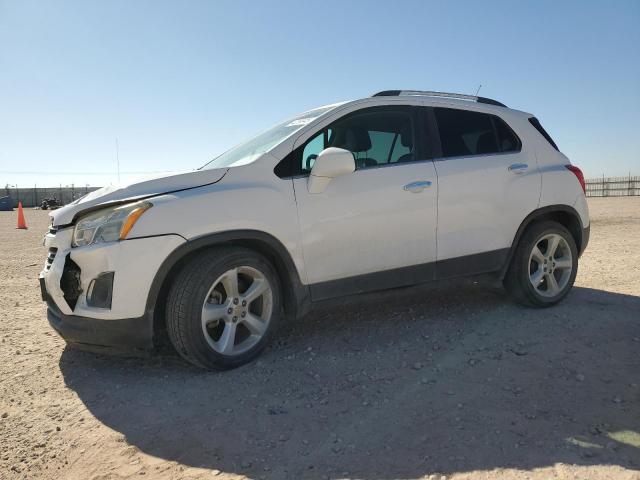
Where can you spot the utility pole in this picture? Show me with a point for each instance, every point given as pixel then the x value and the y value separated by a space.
pixel 118 158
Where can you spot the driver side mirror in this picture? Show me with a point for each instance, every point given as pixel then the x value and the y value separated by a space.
pixel 331 162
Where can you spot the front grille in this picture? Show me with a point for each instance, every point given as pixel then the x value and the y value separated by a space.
pixel 51 255
pixel 52 250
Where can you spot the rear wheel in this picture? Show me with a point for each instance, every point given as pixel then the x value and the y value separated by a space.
pixel 222 307
pixel 544 265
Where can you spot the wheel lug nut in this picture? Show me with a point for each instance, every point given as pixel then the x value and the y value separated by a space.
pixel 235 301
pixel 243 314
pixel 244 303
pixel 235 319
pixel 229 311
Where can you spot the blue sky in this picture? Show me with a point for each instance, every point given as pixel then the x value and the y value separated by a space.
pixel 179 82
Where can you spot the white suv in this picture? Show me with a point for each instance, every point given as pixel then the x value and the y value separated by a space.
pixel 398 189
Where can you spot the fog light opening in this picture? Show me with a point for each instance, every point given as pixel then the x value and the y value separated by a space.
pixel 100 291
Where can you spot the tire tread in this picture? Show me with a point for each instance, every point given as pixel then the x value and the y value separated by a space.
pixel 517 276
pixel 182 299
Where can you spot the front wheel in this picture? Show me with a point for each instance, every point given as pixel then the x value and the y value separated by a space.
pixel 222 307
pixel 544 265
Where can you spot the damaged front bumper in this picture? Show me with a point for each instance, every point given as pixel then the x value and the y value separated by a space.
pixel 97 294
pixel 126 336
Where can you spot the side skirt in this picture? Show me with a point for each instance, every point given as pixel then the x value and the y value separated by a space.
pixel 468 265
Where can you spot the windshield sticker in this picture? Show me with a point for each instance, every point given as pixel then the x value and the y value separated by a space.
pixel 301 121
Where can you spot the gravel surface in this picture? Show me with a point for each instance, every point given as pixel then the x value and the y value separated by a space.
pixel 454 382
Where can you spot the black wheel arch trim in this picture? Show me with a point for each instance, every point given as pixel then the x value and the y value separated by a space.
pixel 540 213
pixel 296 295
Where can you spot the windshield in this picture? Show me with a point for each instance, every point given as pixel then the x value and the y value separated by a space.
pixel 250 150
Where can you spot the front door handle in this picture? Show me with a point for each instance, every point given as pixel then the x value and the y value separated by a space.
pixel 416 187
pixel 518 168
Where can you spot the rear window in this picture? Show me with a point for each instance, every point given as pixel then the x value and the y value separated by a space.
pixel 465 133
pixel 536 123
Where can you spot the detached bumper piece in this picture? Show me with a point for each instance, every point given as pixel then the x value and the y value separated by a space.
pixel 131 336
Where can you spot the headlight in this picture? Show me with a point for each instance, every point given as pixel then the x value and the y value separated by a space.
pixel 108 225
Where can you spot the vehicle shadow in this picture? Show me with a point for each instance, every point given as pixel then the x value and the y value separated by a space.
pixel 448 380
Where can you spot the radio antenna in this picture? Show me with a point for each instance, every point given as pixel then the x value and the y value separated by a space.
pixel 478 89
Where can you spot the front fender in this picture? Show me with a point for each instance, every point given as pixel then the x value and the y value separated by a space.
pixel 297 299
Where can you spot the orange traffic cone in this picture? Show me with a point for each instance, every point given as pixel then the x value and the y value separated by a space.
pixel 21 223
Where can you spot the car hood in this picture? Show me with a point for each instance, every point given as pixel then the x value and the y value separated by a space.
pixel 136 191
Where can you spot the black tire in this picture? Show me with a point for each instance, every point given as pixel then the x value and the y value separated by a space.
pixel 190 290
pixel 517 280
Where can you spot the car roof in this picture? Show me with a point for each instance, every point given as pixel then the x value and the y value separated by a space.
pixel 466 102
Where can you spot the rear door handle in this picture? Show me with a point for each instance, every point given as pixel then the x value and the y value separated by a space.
pixel 416 187
pixel 518 168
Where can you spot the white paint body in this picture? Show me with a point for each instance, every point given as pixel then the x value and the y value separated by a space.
pixel 362 222
pixel 347 229
pixel 481 199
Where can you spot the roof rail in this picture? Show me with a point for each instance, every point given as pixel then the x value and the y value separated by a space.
pixel 473 98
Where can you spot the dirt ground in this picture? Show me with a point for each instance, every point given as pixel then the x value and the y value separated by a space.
pixel 454 382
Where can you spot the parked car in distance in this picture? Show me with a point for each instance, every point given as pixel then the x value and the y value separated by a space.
pixel 398 189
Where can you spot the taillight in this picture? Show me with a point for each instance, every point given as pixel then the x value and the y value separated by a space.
pixel 579 175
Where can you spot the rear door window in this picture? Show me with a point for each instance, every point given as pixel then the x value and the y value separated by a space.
pixel 465 133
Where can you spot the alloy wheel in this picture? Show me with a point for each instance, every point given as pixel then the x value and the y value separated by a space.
pixel 550 265
pixel 237 310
